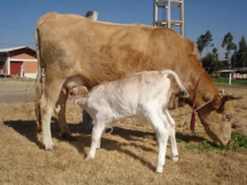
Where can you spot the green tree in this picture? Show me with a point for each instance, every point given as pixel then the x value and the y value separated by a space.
pixel 242 52
pixel 230 47
pixel 215 53
pixel 204 41
pixel 239 58
pixel 211 61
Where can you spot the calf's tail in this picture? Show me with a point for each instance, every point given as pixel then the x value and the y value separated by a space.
pixel 183 91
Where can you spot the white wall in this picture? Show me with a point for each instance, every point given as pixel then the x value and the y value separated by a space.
pixel 30 75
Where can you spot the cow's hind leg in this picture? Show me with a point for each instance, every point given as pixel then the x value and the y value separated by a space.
pixel 64 128
pixel 47 104
pixel 38 91
pixel 38 116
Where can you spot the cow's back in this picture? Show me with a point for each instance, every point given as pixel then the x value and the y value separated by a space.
pixel 99 51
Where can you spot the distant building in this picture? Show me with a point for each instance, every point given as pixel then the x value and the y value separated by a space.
pixel 18 62
pixel 237 73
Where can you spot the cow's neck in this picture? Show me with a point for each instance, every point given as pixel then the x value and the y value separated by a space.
pixel 200 84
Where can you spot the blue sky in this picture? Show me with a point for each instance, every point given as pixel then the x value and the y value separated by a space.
pixel 19 17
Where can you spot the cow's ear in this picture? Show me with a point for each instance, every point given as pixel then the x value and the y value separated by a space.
pixel 226 98
pixel 217 102
pixel 229 97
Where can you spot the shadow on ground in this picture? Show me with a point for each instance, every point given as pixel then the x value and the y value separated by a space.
pixel 27 128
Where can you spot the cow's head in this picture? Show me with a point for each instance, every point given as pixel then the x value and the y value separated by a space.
pixel 216 118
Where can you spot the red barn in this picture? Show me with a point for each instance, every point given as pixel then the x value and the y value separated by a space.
pixel 18 62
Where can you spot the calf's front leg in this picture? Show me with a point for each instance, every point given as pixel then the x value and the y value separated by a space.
pixel 97 132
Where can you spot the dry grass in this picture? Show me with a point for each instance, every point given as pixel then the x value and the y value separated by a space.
pixel 16 90
pixel 127 155
pixel 9 84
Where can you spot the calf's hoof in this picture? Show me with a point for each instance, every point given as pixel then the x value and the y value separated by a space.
pixel 175 158
pixel 48 145
pixel 159 169
pixel 89 157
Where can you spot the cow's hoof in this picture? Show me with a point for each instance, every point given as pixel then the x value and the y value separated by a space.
pixel 39 137
pixel 67 136
pixel 175 158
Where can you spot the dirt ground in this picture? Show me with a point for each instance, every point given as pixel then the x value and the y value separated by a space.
pixel 13 91
pixel 127 155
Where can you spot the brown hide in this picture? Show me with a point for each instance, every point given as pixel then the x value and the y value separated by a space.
pixel 72 45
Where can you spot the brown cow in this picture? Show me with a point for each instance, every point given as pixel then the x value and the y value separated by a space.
pixel 74 48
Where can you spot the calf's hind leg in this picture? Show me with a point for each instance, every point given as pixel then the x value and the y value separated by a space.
pixel 161 135
pixel 172 131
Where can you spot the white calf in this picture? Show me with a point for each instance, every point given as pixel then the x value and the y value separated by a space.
pixel 144 94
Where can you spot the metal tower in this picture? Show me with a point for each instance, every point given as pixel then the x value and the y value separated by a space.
pixel 168 19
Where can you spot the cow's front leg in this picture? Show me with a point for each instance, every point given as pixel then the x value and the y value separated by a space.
pixel 47 104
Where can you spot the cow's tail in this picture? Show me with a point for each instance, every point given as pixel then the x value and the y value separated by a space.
pixel 183 91
pixel 39 81
pixel 41 73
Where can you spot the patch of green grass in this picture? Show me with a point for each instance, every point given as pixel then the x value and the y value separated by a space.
pixel 224 81
pixel 237 142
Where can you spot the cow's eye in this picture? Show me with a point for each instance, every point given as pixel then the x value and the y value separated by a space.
pixel 228 117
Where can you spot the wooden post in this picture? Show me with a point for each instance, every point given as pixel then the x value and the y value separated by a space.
pixel 230 72
pixel 230 78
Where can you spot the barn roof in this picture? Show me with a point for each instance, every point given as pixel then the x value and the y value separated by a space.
pixel 6 50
